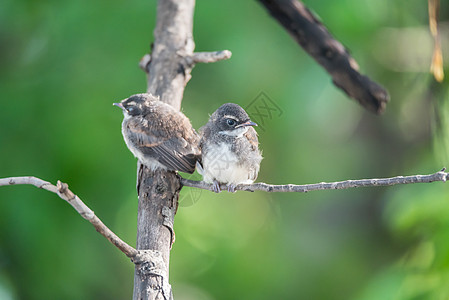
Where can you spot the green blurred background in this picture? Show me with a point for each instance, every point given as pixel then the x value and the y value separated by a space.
pixel 64 62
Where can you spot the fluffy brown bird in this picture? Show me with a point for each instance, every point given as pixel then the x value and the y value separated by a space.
pixel 230 148
pixel 158 135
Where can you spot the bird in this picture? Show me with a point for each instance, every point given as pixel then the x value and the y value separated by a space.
pixel 158 135
pixel 229 148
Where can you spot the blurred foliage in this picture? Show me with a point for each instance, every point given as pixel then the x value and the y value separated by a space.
pixel 63 63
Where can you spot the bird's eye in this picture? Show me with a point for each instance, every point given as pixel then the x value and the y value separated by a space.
pixel 131 109
pixel 230 122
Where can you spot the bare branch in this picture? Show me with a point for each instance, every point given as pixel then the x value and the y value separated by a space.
pixel 62 190
pixel 144 62
pixel 168 71
pixel 338 185
pixel 316 40
pixel 209 57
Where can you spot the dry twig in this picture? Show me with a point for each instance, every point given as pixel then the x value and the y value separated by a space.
pixel 151 262
pixel 62 190
pixel 304 188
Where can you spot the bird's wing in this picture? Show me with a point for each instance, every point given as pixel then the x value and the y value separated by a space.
pixel 173 152
pixel 251 135
pixel 176 154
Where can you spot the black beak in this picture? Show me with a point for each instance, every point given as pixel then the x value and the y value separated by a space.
pixel 248 123
pixel 119 105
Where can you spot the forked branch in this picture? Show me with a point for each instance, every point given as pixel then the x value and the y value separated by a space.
pixel 62 190
pixel 141 256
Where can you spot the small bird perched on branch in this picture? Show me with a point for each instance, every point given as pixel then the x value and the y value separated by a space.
pixel 230 148
pixel 158 135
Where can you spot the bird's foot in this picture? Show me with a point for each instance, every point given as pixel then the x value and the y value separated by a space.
pixel 216 187
pixel 231 188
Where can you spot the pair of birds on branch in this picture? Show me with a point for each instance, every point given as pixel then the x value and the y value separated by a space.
pixel 225 152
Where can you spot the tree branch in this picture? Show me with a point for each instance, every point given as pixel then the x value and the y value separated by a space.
pixel 316 40
pixel 158 191
pixel 304 188
pixel 209 57
pixel 62 190
pixel 168 69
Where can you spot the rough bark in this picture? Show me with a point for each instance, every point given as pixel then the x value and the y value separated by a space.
pixel 168 72
pixel 158 196
pixel 158 191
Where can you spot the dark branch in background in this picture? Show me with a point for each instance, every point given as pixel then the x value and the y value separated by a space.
pixel 316 40
pixel 338 185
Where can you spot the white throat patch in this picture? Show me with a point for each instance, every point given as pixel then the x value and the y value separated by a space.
pixel 239 132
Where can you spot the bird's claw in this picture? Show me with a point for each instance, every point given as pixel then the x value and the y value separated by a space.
pixel 216 187
pixel 231 188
